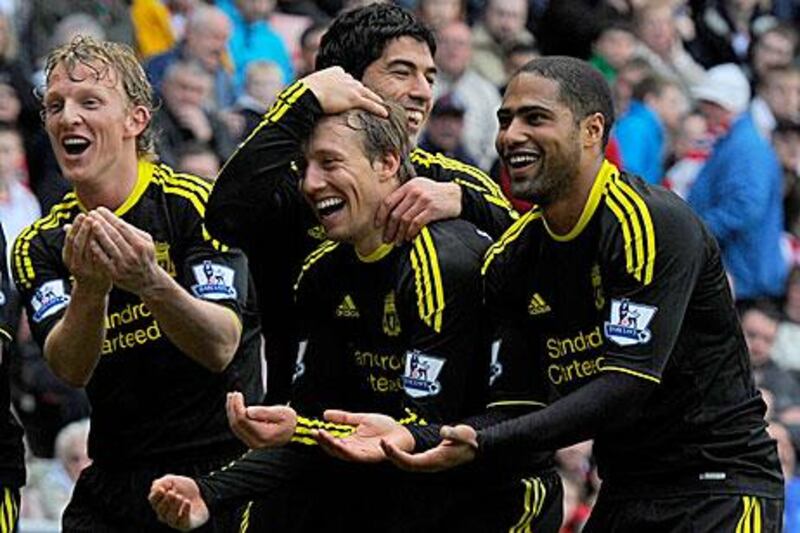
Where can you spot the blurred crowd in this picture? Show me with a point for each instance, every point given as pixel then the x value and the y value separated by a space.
pixel 708 104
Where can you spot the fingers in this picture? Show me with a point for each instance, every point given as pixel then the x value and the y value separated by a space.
pixel 386 206
pixel 398 457
pixel 269 413
pixel 330 444
pixel 370 101
pixel 343 417
pixel 461 434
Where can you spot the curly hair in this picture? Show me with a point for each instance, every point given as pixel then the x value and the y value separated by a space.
pixel 99 57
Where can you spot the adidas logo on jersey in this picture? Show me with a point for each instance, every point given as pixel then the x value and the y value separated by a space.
pixel 538 306
pixel 347 309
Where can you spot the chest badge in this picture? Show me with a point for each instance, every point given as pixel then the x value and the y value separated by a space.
pixel 391 320
pixel 597 288
pixel 163 258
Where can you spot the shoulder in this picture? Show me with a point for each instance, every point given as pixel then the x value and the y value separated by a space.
pixel 514 242
pixel 320 258
pixel 181 189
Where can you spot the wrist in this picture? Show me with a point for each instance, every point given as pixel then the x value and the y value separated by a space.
pixel 157 287
pixel 457 199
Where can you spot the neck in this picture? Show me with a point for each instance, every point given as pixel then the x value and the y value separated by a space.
pixel 564 213
pixel 369 242
pixel 110 191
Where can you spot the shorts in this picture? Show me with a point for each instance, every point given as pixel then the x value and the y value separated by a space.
pixel 703 513
pixel 9 509
pixel 115 500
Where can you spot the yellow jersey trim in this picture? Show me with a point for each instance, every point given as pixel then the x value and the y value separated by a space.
pixel 510 235
pixel 319 252
pixel 427 280
pixel 595 195
pixel 376 255
pixel 630 372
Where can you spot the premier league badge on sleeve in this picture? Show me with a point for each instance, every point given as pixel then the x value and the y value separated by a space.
pixel 420 378
pixel 214 281
pixel 48 299
pixel 628 323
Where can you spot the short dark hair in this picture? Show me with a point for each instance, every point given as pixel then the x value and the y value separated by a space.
pixel 357 38
pixel 580 87
pixel 652 84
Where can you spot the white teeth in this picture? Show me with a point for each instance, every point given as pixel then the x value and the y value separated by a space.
pixel 415 116
pixel 523 159
pixel 329 202
pixel 74 141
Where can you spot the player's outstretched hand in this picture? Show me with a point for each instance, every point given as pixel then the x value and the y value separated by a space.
pixel 178 503
pixel 260 426
pixel 414 204
pixel 459 446
pixel 364 444
pixel 338 91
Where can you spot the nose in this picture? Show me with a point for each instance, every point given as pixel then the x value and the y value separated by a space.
pixel 422 88
pixel 70 113
pixel 312 179
pixel 514 133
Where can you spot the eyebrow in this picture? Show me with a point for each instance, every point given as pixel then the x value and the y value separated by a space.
pixel 410 64
pixel 525 110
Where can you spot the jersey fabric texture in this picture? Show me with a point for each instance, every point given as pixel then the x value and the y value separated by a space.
pixel 257 188
pixel 150 402
pixel 636 287
pixel 12 453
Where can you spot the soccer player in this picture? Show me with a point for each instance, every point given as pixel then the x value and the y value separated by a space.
pixel 393 328
pixel 616 291
pixel 116 286
pixel 394 59
pixel 12 453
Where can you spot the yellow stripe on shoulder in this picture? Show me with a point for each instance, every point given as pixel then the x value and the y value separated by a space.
pixel 428 280
pixel 510 235
pixel 320 251
pixel 21 259
pixel 637 228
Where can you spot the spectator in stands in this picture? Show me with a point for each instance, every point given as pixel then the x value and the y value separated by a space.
pixel 445 129
pixel 786 349
pixel 629 75
pixel 760 327
pixel 612 49
pixel 309 45
pixel 739 190
pixel 775 47
pixel 439 13
pixel 661 45
pixel 71 457
pixel 263 81
pixel 786 141
pixel 253 38
pixel 480 98
pixel 18 206
pixel 517 54
pixel 199 160
pixel 726 29
pixel 788 457
pixel 503 21
pixel 777 99
pixel 185 117
pixel 112 15
pixel 208 31
pixel 644 131
pixel 691 149
pixel 152 27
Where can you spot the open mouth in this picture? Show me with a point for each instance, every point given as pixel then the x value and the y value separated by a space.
pixel 415 117
pixel 75 145
pixel 329 206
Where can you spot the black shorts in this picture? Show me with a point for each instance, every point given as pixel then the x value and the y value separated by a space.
pixel 115 500
pixel 711 513
pixel 371 498
pixel 9 509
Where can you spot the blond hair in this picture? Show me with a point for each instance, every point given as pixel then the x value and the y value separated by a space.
pixel 99 57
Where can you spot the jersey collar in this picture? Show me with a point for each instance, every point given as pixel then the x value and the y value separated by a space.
pixel 607 170
pixel 144 174
pixel 379 253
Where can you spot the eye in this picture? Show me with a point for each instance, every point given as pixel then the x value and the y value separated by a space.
pixel 91 103
pixel 52 108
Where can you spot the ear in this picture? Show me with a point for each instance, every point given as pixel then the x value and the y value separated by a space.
pixel 137 120
pixel 387 166
pixel 592 129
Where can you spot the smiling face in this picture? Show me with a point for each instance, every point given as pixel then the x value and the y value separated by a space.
pixel 538 140
pixel 405 73
pixel 92 126
pixel 342 185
